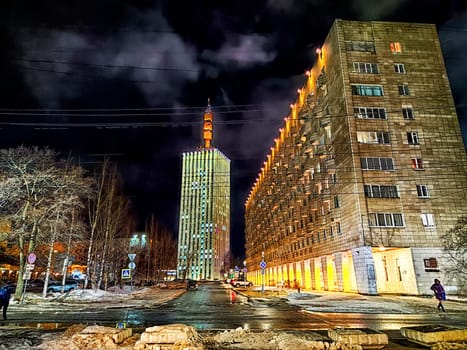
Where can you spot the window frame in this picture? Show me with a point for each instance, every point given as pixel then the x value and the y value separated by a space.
pixel 417 163
pixel 384 163
pixel 407 113
pixel 423 191
pixel 361 46
pixel 399 68
pixel 379 219
pixel 428 219
pixel 381 191
pixel 413 138
pixel 404 90
pixel 373 137
pixel 365 67
pixel 367 90
pixel 370 113
pixel 395 47
pixel 337 203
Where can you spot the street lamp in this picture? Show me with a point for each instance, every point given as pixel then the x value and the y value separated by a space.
pixel 263 265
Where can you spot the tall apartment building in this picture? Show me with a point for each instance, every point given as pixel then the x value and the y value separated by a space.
pixel 204 222
pixel 368 171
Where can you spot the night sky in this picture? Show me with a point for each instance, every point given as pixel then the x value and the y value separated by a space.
pixel 131 81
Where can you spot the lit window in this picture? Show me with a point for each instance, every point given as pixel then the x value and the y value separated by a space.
pixel 396 47
pixel 367 90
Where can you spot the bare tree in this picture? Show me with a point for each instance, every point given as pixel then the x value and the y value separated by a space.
pixel 109 218
pixel 161 252
pixel 455 244
pixel 29 180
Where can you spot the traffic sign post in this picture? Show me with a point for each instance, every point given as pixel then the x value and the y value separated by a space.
pixel 131 266
pixel 126 274
pixel 31 259
pixel 262 265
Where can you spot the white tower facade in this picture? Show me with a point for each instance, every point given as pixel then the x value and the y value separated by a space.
pixel 204 221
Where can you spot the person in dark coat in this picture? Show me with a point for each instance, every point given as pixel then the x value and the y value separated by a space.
pixel 5 295
pixel 440 294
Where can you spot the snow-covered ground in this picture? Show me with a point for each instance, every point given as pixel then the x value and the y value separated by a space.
pixel 25 338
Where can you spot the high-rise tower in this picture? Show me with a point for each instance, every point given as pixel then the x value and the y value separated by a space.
pixel 368 172
pixel 204 222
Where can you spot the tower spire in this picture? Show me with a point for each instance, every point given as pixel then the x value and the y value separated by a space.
pixel 207 126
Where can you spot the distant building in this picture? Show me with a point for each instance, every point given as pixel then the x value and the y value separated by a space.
pixel 368 171
pixel 204 221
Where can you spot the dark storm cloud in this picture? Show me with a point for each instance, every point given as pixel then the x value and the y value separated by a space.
pixel 364 9
pixel 453 39
pixel 63 62
pixel 59 64
pixel 242 51
pixel 255 136
pixel 371 10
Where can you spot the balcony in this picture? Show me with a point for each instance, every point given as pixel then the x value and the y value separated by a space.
pixel 320 150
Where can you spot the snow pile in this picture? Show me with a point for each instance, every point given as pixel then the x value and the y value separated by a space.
pixel 244 339
pixel 354 303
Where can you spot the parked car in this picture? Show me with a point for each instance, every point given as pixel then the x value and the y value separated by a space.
pixel 35 285
pixel 240 283
pixel 55 287
pixel 191 285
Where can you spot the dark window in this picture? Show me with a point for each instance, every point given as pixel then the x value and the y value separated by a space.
pixel 399 68
pixel 407 113
pixel 412 138
pixel 404 90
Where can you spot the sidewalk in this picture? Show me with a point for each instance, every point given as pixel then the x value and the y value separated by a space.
pixel 327 301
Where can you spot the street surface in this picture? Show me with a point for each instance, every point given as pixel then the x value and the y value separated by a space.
pixel 217 307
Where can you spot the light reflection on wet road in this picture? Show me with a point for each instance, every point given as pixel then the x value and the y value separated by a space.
pixel 217 307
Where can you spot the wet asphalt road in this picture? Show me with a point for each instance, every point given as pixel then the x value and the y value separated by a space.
pixel 217 307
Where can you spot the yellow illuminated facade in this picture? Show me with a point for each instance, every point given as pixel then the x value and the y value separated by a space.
pixel 367 172
pixel 204 221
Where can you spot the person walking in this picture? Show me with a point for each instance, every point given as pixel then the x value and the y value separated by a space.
pixel 5 295
pixel 440 294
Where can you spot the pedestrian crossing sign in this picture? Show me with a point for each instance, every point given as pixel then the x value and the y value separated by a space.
pixel 126 273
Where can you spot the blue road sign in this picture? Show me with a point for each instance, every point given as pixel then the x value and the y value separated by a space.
pixel 262 264
pixel 126 273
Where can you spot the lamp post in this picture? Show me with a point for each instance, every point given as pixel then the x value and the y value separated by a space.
pixel 263 266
